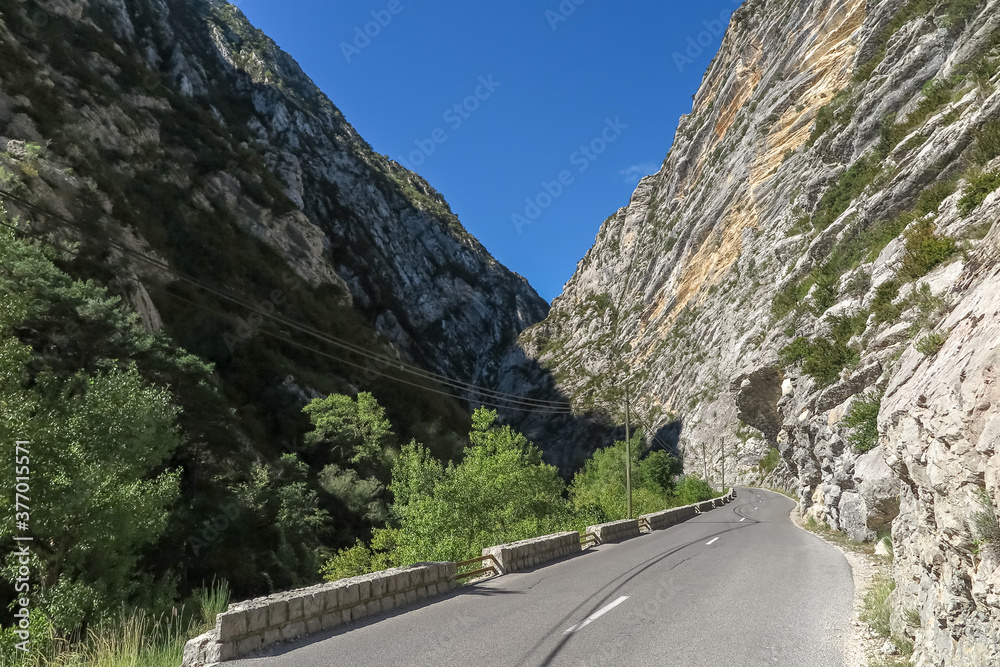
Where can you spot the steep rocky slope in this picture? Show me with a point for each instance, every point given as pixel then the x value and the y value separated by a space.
pixel 176 128
pixel 821 233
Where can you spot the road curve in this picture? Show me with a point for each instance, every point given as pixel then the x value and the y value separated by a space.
pixel 738 586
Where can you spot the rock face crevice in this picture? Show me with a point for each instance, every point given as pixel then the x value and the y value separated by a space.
pixel 772 279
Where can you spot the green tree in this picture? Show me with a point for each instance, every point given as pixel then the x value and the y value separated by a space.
pixel 363 496
pixel 281 509
pixel 598 489
pixel 78 380
pixel 501 491
pixel 98 494
pixel 355 430
pixel 354 442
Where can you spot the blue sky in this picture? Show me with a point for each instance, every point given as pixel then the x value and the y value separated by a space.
pixel 535 119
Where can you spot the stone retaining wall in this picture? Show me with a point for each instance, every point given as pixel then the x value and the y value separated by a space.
pixel 615 531
pixel 526 554
pixel 667 518
pixel 705 506
pixel 249 626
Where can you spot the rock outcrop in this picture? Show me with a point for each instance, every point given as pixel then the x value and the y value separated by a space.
pixel 177 129
pixel 820 234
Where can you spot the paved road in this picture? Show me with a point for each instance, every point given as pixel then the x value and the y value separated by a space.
pixel 738 586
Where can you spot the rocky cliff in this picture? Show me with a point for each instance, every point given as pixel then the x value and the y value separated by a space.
pixel 812 270
pixel 175 128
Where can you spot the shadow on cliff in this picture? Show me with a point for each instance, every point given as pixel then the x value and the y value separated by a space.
pixel 566 440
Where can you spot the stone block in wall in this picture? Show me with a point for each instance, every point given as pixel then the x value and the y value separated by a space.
pixel 615 531
pixel 331 596
pixel 257 618
pixel 250 644
pixel 295 610
pixel 350 595
pixel 277 612
pixel 293 629
pixel 231 625
pixel 312 605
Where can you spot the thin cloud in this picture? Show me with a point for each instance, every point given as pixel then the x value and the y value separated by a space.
pixel 635 173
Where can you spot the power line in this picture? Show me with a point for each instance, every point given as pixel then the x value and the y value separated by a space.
pixel 341 360
pixel 550 406
pixel 457 384
pixel 289 341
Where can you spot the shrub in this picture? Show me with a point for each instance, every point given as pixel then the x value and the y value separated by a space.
pixel 908 12
pixel 862 419
pixel 882 306
pixel 502 491
pixel 849 185
pixel 824 121
pixel 788 298
pixel 987 141
pixel 692 490
pixel 987 526
pixel 826 360
pixel 858 284
pixel 768 463
pixel 929 306
pixel 823 359
pixel 600 485
pixel 931 343
pixel 794 352
pixel 924 250
pixel 958 12
pixel 349 562
pixel 930 199
pixel 979 187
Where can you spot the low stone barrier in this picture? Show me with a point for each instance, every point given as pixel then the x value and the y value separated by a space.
pixel 249 626
pixel 705 506
pixel 615 531
pixel 664 518
pixel 526 554
pixel 686 512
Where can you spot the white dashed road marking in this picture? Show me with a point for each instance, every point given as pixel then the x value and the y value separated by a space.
pixel 596 615
pixel 714 539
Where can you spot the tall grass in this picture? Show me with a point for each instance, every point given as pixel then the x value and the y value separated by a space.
pixel 134 639
pixel 212 601
pixel 877 610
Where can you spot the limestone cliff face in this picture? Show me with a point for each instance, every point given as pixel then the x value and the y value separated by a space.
pixel 814 239
pixel 176 126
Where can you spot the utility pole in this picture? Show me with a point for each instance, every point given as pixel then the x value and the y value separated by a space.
pixel 704 459
pixel 722 447
pixel 628 458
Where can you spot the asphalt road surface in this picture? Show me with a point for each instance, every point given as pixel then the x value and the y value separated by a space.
pixel 739 586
